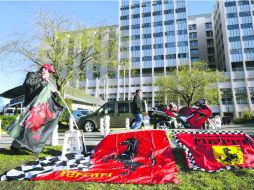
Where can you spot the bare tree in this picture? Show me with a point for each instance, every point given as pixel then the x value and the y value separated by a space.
pixel 68 46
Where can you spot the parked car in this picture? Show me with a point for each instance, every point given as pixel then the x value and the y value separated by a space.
pixel 118 112
pixel 81 112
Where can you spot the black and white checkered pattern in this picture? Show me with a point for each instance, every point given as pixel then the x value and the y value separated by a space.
pixel 48 165
pixel 190 158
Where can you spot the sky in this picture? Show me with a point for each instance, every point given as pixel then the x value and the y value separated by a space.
pixel 17 17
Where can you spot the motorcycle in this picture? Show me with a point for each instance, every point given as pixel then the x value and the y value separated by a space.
pixel 194 117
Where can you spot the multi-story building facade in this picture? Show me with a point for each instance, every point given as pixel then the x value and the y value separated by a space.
pixel 234 46
pixel 156 36
pixel 153 39
pixel 201 39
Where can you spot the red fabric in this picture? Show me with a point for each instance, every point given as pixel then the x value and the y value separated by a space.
pixel 205 147
pixel 152 163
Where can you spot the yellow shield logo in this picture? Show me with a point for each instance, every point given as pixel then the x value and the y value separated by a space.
pixel 228 155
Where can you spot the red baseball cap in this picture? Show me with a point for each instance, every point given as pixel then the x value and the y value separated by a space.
pixel 49 67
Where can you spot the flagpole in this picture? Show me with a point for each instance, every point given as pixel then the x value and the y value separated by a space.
pixel 54 88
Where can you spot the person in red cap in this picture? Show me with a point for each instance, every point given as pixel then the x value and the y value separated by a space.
pixel 35 81
pixel 33 84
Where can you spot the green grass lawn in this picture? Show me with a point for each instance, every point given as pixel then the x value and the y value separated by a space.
pixel 225 180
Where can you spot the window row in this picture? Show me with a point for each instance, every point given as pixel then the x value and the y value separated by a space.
pixel 160 57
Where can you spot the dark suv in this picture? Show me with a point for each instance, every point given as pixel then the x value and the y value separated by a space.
pixel 118 112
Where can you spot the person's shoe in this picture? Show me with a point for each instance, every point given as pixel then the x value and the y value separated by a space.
pixel 15 150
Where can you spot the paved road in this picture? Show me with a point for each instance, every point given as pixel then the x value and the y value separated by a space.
pixel 94 138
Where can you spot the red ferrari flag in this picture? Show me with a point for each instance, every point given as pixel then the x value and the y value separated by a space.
pixel 215 151
pixel 141 157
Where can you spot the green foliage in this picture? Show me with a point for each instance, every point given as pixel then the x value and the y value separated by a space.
pixel 191 83
pixel 6 120
pixel 246 117
pixel 66 115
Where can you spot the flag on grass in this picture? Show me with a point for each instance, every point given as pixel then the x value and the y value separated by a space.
pixel 142 157
pixel 33 127
pixel 215 151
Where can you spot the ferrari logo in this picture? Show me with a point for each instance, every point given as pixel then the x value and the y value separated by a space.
pixel 228 155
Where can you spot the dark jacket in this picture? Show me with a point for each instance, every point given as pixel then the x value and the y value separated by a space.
pixel 33 85
pixel 137 105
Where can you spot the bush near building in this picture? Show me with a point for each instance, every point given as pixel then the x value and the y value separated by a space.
pixel 6 120
pixel 247 117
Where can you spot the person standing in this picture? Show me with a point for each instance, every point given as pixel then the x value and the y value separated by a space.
pixel 33 85
pixel 137 110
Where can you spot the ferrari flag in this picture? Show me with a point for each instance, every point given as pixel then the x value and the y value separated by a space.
pixel 215 151
pixel 33 127
pixel 142 157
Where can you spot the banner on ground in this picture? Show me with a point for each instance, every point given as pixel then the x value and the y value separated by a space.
pixel 215 151
pixel 35 125
pixel 141 157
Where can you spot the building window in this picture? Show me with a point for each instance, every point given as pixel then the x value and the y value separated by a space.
pixel 193 35
pixel 135 48
pixel 210 50
pixel 169 11
pixel 211 59
pixel 241 95
pixel 168 22
pixel 169 33
pixel 146 47
pixel 235 51
pixel 246 25
pixel 124 49
pixel 233 27
pixel 159 34
pixel 193 43
pixel 146 25
pixel 145 36
pixel 171 56
pixel 210 42
pixel 135 59
pixel 230 4
pixel 231 15
pixel 180 21
pixel 194 51
pixel 124 8
pixel 156 13
pixel 243 14
pixel 135 26
pixel 209 33
pixel 171 44
pixel 147 58
pixel 135 37
pixel 208 25
pixel 157 23
pixel 243 2
pixel 146 14
pixel 182 55
pixel 180 10
pixel 182 43
pixel 181 32
pixel 124 17
pixel 193 27
pixel 124 28
pixel 158 57
pixel 234 39
pixel 226 96
pixel 157 46
pixel 247 38
pixel 135 16
pixel 248 50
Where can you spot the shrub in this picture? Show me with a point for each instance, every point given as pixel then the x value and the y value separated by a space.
pixel 66 115
pixel 6 120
